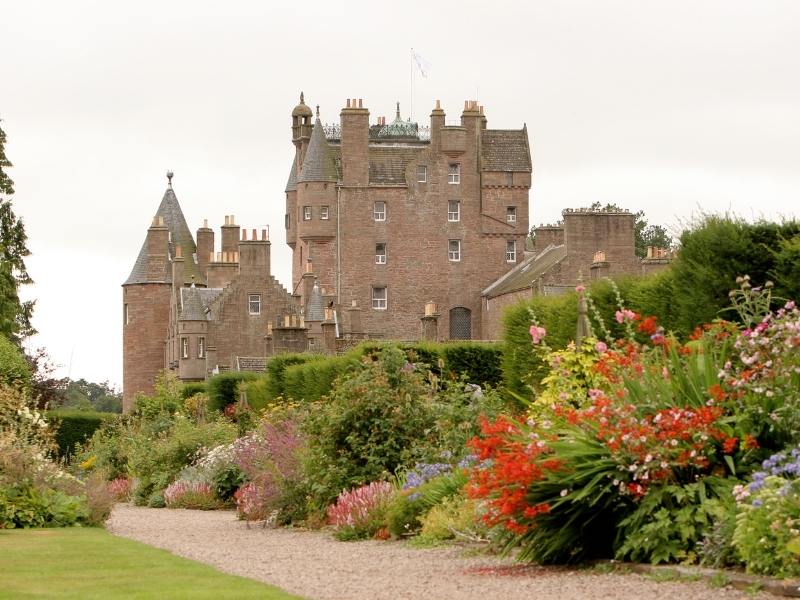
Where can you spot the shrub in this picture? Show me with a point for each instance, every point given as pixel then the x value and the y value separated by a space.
pixel 454 515
pixel 192 388
pixel 74 427
pixel 359 513
pixel 14 369
pixel 276 368
pixel 190 494
pixel 270 458
pixel 369 427
pixel 223 389
pixel 120 489
pixel 38 506
pixel 99 500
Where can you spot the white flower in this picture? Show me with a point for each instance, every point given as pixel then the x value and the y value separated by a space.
pixel 564 492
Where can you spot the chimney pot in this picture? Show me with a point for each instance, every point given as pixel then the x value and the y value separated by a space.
pixel 244 235
pixel 264 235
pixel 255 235
pixel 360 105
pixel 178 253
pixel 348 103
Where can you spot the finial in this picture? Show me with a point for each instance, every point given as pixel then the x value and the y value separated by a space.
pixel 302 99
pixel 170 174
pixel 318 111
pixel 398 110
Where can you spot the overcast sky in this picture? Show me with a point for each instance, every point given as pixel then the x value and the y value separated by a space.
pixel 671 107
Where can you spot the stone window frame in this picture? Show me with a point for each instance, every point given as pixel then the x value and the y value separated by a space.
pixel 126 314
pixel 307 213
pixel 453 216
pixel 286 218
pixel 184 347
pixel 201 347
pixel 454 173
pixel 511 251
pixel 379 215
pixel 324 213
pixel 422 173
pixel 511 214
pixel 380 253
pixel 454 250
pixel 254 304
pixel 378 302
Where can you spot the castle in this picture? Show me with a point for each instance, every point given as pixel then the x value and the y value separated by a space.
pixel 398 231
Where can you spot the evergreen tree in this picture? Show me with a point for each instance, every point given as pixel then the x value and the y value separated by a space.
pixel 15 315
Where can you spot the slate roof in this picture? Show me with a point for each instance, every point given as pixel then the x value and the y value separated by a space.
pixel 171 211
pixel 318 163
pixel 291 185
pixel 195 301
pixel 315 309
pixel 505 150
pixel 529 270
pixel 388 164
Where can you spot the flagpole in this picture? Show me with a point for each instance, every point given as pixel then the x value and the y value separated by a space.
pixel 411 104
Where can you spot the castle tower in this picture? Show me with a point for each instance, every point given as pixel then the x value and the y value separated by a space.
pixel 316 210
pixel 146 296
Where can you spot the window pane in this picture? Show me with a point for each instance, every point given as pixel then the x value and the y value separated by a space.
pixel 454 250
pixel 306 213
pixel 422 173
pixel 380 254
pixel 511 214
pixel 379 298
pixel 255 304
pixel 453 210
pixel 379 211
pixel 454 174
pixel 323 213
pixel 511 251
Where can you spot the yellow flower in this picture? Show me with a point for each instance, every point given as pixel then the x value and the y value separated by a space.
pixel 88 463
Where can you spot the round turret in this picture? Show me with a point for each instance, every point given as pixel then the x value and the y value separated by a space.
pixel 301 110
pixel 301 122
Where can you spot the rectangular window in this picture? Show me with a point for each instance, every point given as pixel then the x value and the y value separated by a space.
pixel 454 174
pixel 127 315
pixel 511 214
pixel 380 254
pixel 422 174
pixel 286 220
pixel 379 298
pixel 453 211
pixel 201 347
pixel 454 250
pixel 324 213
pixel 379 211
pixel 254 304
pixel 511 252
pixel 184 347
pixel 306 213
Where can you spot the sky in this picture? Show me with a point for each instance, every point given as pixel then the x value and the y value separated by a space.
pixel 677 108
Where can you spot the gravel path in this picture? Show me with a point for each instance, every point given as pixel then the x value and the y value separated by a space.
pixel 314 565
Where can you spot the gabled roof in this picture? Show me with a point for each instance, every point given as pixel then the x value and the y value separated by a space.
pixel 291 185
pixel 505 150
pixel 180 235
pixel 388 164
pixel 194 301
pixel 318 163
pixel 528 271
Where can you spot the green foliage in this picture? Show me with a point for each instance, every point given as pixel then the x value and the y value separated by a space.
pixel 85 395
pixel 767 525
pixel 369 426
pixel 14 370
pixel 223 389
pixel 671 520
pixel 276 367
pixel 33 506
pixel 192 388
pixel 455 514
pixel 164 403
pixel 313 379
pixel 74 427
pixel 404 513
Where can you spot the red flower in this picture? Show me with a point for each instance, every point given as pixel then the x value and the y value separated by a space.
pixel 729 445
pixel 648 326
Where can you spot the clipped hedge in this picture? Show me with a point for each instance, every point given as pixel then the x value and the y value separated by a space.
pixel 222 389
pixel 308 377
pixel 192 388
pixel 14 369
pixel 75 427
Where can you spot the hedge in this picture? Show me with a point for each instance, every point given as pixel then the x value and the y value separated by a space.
pixel 14 369
pixel 222 389
pixel 75 427
pixel 191 388
pixel 308 377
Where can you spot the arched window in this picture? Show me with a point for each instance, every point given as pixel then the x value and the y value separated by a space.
pixel 460 323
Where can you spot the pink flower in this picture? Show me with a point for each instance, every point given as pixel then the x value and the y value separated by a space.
pixel 600 347
pixel 624 315
pixel 537 333
pixel 580 289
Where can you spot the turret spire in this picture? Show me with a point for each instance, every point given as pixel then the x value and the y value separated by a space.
pixel 170 175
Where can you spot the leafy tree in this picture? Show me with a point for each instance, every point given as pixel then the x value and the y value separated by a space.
pixel 15 315
pixel 86 395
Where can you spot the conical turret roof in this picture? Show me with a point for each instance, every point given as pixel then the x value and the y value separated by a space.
pixel 180 235
pixel 318 164
pixel 315 309
pixel 291 184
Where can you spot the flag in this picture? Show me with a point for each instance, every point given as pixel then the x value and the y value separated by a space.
pixel 423 65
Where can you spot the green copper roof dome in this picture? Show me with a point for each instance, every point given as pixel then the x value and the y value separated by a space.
pixel 399 128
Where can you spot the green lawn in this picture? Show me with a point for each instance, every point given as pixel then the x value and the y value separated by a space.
pixel 91 563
